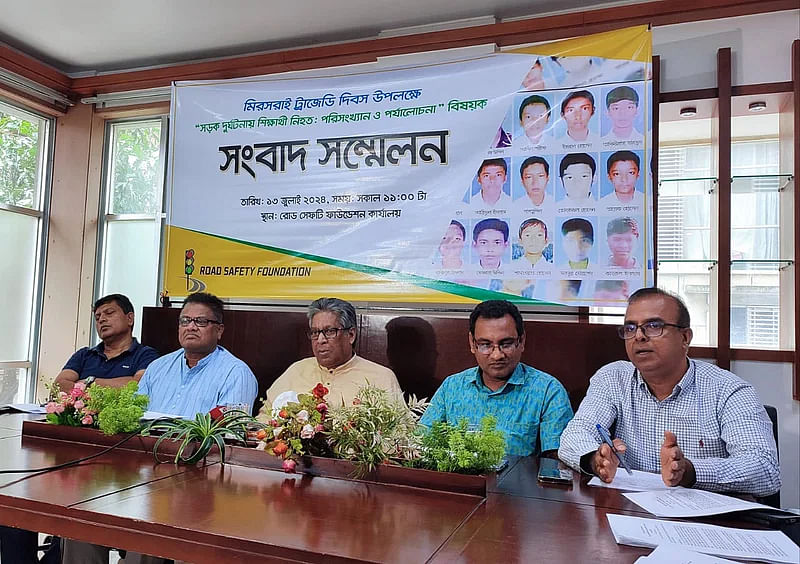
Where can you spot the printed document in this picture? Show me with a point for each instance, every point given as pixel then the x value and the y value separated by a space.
pixel 639 481
pixel 685 502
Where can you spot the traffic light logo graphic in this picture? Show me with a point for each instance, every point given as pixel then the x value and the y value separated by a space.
pixel 188 264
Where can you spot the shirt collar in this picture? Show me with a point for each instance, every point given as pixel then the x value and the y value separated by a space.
pixel 203 361
pixel 341 368
pixel 517 378
pixel 101 347
pixel 684 384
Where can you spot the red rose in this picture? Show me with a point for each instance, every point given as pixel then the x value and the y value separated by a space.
pixel 283 414
pixel 319 391
pixel 280 448
pixel 289 465
pixel 322 408
pixel 356 401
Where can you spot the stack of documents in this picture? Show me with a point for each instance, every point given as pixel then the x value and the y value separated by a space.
pixel 683 502
pixel 671 554
pixel 741 544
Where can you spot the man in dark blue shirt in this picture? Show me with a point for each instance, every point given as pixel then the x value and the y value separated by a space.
pixel 117 360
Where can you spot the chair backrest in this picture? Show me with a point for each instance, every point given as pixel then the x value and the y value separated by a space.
pixel 773 500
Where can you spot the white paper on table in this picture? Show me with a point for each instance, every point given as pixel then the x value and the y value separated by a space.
pixel 26 407
pixel 743 544
pixel 686 502
pixel 639 481
pixel 153 415
pixel 673 554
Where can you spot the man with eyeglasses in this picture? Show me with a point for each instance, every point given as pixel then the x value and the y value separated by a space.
pixel 697 424
pixel 335 364
pixel 531 407
pixel 201 375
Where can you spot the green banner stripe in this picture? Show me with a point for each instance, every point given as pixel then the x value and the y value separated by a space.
pixel 444 286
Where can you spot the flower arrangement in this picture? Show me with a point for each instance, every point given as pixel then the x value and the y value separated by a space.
pixel 375 429
pixel 112 410
pixel 298 428
pixel 70 408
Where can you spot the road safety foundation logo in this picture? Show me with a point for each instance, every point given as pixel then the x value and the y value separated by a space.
pixel 192 284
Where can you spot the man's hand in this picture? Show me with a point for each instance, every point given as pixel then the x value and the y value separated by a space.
pixel 676 470
pixel 605 462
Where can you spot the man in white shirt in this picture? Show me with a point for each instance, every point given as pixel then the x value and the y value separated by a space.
pixel 623 172
pixel 622 107
pixel 577 110
pixel 492 176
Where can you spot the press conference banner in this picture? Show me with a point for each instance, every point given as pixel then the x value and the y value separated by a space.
pixel 522 176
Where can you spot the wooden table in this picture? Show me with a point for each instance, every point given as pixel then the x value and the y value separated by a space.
pixel 230 513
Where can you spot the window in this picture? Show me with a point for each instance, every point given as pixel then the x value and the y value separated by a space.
pixel 24 172
pixel 759 249
pixel 686 245
pixel 131 212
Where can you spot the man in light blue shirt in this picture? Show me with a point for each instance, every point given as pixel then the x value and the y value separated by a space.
pixel 201 375
pixel 194 379
pixel 531 407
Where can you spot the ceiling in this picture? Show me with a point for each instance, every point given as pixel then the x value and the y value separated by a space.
pixel 86 37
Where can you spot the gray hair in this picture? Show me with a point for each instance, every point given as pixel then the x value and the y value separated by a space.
pixel 343 310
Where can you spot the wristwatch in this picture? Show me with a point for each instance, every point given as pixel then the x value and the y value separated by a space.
pixel 89 381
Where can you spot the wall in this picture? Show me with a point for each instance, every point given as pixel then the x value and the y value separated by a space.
pixel 773 381
pixel 760 45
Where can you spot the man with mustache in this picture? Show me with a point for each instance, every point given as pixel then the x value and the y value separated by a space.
pixel 531 407
pixel 697 424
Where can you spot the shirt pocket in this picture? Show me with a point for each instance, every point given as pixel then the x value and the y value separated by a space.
pixel 521 438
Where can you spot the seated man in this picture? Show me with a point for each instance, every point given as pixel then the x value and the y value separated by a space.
pixel 531 407
pixel 194 379
pixel 118 359
pixel 697 424
pixel 332 330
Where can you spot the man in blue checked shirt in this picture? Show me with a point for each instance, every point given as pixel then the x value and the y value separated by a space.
pixel 697 424
pixel 531 407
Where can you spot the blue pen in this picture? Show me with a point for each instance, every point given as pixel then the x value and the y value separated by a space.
pixel 607 439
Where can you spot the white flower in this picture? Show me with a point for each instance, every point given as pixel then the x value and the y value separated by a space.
pixel 302 416
pixel 307 432
pixel 261 445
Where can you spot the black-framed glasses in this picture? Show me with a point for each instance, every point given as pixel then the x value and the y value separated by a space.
pixel 328 332
pixel 185 320
pixel 649 328
pixel 506 347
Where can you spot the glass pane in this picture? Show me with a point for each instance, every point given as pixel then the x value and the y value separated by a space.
pixel 136 173
pixel 12 385
pixel 684 220
pixel 131 263
pixel 21 140
pixel 19 234
pixel 692 282
pixel 755 308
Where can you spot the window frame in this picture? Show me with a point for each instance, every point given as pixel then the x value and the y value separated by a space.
pixel 42 213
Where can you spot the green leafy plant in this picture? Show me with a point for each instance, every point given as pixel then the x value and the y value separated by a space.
pixel 457 448
pixel 118 409
pixel 375 429
pixel 204 431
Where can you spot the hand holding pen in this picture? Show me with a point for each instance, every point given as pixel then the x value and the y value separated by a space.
pixel 608 457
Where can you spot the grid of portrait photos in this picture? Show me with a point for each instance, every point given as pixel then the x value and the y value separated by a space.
pixel 558 210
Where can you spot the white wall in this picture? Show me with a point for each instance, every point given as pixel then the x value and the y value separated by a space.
pixel 773 381
pixel 760 48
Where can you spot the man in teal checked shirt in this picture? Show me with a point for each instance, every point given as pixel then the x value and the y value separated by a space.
pixel 531 407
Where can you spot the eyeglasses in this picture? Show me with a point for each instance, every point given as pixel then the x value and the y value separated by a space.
pixel 650 329
pixel 185 320
pixel 329 332
pixel 505 347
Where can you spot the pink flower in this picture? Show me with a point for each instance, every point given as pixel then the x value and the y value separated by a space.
pixel 322 408
pixel 289 465
pixel 76 392
pixel 79 404
pixel 356 401
pixel 302 416
pixel 307 432
pixel 50 407
pixel 79 386
pixel 274 422
pixel 62 396
pixel 58 408
pixel 319 428
pixel 87 420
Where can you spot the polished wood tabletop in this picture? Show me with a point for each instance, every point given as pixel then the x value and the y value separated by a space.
pixel 215 513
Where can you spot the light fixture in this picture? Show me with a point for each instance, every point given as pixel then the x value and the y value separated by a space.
pixel 758 106
pixel 688 111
